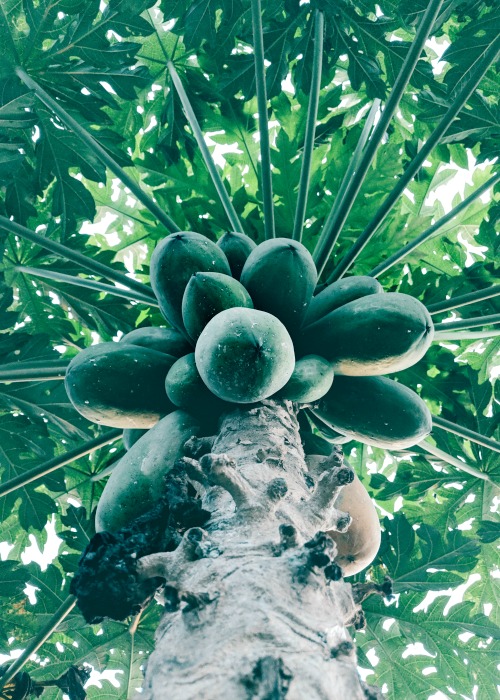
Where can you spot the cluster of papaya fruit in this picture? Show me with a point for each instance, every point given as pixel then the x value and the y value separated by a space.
pixel 245 326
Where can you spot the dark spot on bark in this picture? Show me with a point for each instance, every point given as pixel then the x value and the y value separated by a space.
pixel 343 522
pixel 343 649
pixel 345 475
pixel 276 489
pixel 333 572
pixel 195 601
pixel 269 680
pixel 310 483
pixel 359 620
pixel 171 599
pixel 319 559
pixel 288 536
pixel 320 541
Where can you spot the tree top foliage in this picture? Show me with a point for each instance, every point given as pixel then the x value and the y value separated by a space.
pixel 105 65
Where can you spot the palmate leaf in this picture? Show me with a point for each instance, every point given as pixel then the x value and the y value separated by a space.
pixel 443 661
pixel 113 645
pixel 423 561
pixel 437 562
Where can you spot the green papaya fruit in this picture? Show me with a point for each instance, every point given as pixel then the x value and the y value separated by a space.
pixel 244 355
pixel 206 295
pixel 375 410
pixel 161 339
pixel 339 293
pixel 119 385
pixel 376 334
pixel 174 260
pixel 236 247
pixel 312 377
pixel 187 390
pixel 131 435
pixel 280 276
pixel 137 481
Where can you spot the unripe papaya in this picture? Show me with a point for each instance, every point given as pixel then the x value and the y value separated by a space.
pixel 280 276
pixel 187 390
pixel 174 260
pixel 161 339
pixel 206 295
pixel 339 293
pixel 359 545
pixel 244 355
pixel 236 247
pixel 376 334
pixel 375 410
pixel 311 379
pixel 130 437
pixel 137 481
pixel 119 385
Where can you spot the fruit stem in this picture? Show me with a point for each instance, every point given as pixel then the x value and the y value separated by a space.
pixel 447 425
pixel 87 283
pixel 476 74
pixel 265 149
pixel 76 257
pixel 205 152
pixel 51 465
pixel 34 644
pixel 465 323
pixel 454 461
pixel 329 235
pixel 98 150
pixel 464 299
pixel 402 252
pixel 33 371
pixel 312 115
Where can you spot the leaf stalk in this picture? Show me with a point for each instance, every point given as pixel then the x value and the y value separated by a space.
pixel 87 284
pixel 465 323
pixel 205 152
pixel 51 465
pixel 454 461
pixel 353 165
pixel 459 430
pixel 33 371
pixel 312 115
pixel 409 247
pixel 464 299
pixel 98 150
pixel 329 235
pixel 34 644
pixel 265 148
pixel 76 257
pixel 477 73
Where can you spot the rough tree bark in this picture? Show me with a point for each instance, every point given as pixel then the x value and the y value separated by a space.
pixel 255 605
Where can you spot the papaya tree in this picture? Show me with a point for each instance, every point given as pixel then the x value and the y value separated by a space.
pixel 249 341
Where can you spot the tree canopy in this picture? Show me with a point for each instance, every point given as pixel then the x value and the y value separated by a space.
pixel 102 107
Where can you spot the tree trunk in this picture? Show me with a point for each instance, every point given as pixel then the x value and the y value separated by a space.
pixel 255 605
